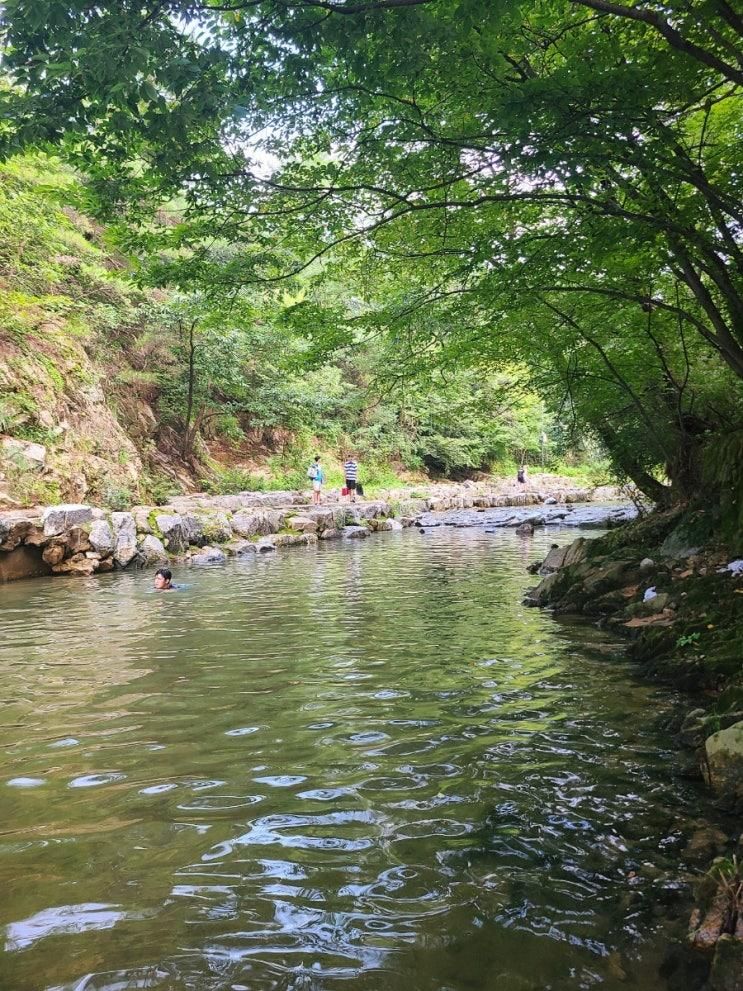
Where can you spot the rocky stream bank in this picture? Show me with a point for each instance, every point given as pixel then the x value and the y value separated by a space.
pixel 78 539
pixel 665 584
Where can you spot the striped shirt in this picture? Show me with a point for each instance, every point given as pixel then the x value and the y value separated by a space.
pixel 351 470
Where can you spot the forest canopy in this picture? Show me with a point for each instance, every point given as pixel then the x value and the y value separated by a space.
pixel 551 186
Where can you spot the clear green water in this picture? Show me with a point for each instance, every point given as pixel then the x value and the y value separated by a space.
pixel 360 766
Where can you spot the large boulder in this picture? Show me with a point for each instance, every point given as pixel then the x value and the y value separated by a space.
pixel 57 519
pixel 724 764
pixel 125 538
pixel 170 526
pixel 193 529
pixel 152 550
pixel 101 538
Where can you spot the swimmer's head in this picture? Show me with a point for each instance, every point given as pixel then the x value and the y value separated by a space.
pixel 163 578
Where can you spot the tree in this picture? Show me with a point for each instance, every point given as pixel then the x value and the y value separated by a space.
pixel 553 157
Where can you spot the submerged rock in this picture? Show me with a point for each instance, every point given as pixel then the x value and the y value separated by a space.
pixel 209 555
pixel 356 531
pixel 240 548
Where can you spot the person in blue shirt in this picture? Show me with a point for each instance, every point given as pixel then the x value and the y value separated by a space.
pixel 317 477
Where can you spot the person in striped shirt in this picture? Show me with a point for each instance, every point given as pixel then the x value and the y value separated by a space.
pixel 351 473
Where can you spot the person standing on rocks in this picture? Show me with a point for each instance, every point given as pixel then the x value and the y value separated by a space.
pixel 521 475
pixel 317 477
pixel 351 473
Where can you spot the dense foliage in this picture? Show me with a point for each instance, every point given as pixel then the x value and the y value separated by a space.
pixel 129 386
pixel 550 186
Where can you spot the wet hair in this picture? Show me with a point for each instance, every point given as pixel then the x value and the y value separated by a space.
pixel 165 572
pixel 317 457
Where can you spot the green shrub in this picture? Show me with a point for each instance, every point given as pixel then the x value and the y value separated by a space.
pixel 119 498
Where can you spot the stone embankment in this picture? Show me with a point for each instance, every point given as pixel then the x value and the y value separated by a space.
pixel 201 529
pixel 664 583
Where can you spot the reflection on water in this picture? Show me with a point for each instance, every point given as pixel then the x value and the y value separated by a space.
pixel 360 766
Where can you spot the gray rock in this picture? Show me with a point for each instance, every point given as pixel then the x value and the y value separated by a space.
pixel 357 532
pixel 101 538
pixel 647 564
pixel 241 548
pixel 209 555
pixel 125 538
pixel 330 534
pixel 550 501
pixel 525 530
pixel 152 550
pixel 141 516
pixel 57 519
pixel 265 545
pixel 170 526
pixel 34 455
pixel 253 523
pixel 193 531
pixel 539 596
pixel 724 763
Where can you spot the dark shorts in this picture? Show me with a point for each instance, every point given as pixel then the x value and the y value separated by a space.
pixel 351 484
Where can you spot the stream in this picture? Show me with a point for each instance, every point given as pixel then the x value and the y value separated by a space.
pixel 363 765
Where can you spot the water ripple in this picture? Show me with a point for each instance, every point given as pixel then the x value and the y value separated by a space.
pixel 360 766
